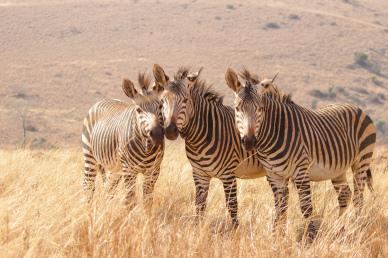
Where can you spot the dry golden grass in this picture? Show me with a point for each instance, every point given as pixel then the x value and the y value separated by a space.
pixel 42 215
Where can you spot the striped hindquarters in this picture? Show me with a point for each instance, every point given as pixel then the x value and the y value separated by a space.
pixel 99 134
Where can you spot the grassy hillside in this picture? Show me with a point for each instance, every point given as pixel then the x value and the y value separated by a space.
pixel 42 215
pixel 57 58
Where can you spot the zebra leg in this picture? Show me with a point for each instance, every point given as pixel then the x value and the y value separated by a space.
pixel 201 181
pixel 279 188
pixel 230 189
pixel 359 180
pixel 90 172
pixel 114 179
pixel 302 183
pixel 129 184
pixel 149 184
pixel 103 174
pixel 342 188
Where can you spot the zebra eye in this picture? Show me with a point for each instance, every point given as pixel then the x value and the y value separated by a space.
pixel 185 100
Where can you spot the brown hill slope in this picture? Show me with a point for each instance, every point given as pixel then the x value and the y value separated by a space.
pixel 57 58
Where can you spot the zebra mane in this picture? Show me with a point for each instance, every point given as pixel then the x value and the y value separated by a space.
pixel 279 95
pixel 181 73
pixel 176 86
pixel 284 98
pixel 151 97
pixel 148 95
pixel 246 75
pixel 198 89
pixel 201 89
pixel 144 82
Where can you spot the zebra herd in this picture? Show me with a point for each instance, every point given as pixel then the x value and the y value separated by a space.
pixel 264 134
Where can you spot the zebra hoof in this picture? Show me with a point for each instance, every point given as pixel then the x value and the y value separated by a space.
pixel 280 227
pixel 221 227
pixel 87 200
pixel 340 233
pixel 235 224
pixel 308 234
pixel 129 204
pixel 198 219
pixel 279 231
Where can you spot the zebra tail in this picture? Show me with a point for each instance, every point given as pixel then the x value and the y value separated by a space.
pixel 369 180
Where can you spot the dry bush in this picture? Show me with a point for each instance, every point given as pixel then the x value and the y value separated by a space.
pixel 42 215
pixel 362 60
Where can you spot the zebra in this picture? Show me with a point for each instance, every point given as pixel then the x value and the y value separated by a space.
pixel 193 110
pixel 303 145
pixel 124 138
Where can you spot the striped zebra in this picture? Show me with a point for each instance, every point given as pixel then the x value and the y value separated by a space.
pixel 125 139
pixel 303 145
pixel 196 112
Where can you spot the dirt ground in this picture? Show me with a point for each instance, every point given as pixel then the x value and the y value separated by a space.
pixel 57 58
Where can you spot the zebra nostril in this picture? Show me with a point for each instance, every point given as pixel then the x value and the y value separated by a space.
pixel 157 135
pixel 248 142
pixel 172 131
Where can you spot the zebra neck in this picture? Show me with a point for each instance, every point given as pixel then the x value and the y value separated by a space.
pixel 201 126
pixel 187 132
pixel 200 112
pixel 272 128
pixel 139 139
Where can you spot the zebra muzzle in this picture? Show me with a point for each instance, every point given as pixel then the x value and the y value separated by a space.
pixel 157 135
pixel 172 131
pixel 248 142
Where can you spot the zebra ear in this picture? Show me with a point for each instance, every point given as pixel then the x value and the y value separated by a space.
pixel 144 83
pixel 157 87
pixel 232 80
pixel 255 79
pixel 276 75
pixel 160 76
pixel 194 76
pixel 129 88
pixel 265 83
pixel 184 74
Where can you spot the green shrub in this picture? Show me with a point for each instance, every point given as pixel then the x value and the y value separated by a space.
pixel 362 59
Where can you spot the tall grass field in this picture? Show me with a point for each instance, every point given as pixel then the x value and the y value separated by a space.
pixel 43 215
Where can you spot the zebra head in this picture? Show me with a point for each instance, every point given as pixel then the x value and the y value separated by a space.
pixel 177 106
pixel 148 110
pixel 248 106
